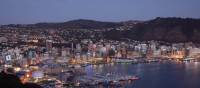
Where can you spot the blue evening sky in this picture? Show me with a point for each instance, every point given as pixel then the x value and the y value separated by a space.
pixel 33 11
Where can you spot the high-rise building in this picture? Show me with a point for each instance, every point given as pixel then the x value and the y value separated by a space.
pixel 49 46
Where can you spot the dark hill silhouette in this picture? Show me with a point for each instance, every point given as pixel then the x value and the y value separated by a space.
pixel 12 81
pixel 162 29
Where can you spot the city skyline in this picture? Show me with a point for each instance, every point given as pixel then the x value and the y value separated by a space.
pixel 29 11
pixel 99 43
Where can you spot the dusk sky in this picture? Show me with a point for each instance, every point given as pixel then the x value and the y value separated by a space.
pixel 33 11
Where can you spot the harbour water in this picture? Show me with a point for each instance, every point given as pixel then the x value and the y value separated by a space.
pixel 166 74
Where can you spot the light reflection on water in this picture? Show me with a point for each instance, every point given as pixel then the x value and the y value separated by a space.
pixel 154 75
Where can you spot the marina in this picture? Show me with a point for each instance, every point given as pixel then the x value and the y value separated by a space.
pixel 150 74
pixel 104 80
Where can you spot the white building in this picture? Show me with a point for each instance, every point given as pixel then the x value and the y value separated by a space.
pixel 194 52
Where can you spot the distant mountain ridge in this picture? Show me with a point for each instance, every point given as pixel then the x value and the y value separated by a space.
pixel 73 24
pixel 79 24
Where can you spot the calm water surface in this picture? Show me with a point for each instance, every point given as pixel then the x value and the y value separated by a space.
pixel 155 75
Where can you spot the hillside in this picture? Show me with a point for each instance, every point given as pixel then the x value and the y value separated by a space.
pixel 164 29
pixel 161 29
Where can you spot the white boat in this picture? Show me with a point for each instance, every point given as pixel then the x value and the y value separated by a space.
pixel 77 66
